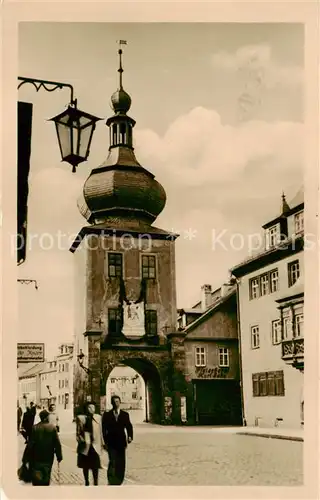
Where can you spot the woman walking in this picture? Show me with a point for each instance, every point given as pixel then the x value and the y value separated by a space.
pixel 90 442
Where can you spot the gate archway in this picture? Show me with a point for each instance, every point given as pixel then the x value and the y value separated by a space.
pixel 153 386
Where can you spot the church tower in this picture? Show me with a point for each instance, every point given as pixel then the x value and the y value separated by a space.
pixel 125 276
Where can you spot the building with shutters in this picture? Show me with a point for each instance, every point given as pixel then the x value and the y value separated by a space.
pixel 271 298
pixel 64 380
pixel 212 357
pixel 48 383
pixel 128 385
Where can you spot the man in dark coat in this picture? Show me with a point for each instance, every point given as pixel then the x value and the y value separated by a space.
pixel 43 445
pixel 28 421
pixel 114 424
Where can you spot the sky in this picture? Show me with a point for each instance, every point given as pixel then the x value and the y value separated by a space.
pixel 219 121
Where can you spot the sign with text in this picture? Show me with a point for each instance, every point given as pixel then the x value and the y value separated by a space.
pixel 30 353
pixel 210 372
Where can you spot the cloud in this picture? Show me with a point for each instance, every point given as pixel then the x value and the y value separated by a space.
pixel 199 151
pixel 256 62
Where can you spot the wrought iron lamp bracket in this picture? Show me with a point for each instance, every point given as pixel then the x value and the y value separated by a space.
pixel 38 84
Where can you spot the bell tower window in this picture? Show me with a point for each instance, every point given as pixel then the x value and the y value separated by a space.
pixel 122 133
pixel 114 134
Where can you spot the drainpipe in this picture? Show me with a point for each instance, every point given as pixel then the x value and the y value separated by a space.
pixel 244 423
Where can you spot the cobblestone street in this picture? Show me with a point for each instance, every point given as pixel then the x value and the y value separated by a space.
pixel 166 456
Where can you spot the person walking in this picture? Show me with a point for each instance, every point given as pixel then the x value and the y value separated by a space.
pixel 117 432
pixel 19 416
pixel 37 419
pixel 28 421
pixel 44 444
pixel 53 416
pixel 90 442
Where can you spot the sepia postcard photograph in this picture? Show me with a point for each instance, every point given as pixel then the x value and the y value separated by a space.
pixel 164 214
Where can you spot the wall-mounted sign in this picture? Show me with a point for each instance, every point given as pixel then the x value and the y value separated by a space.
pixel 133 319
pixel 210 372
pixel 30 352
pixel 183 403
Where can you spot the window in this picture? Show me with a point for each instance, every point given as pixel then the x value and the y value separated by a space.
pixel 59 384
pixel 299 222
pixel 148 266
pixel 63 367
pixel 112 380
pixel 255 339
pixel 264 284
pixel 286 328
pixel 273 236
pixel 223 356
pixel 151 323
pixel 254 288
pixel 268 384
pixel 67 367
pixel 134 395
pixel 62 383
pixel 62 399
pixel 114 265
pixel 274 281
pixel 298 325
pixel 114 321
pixel 66 382
pixel 200 356
pixel 59 399
pixel 276 331
pixel 293 272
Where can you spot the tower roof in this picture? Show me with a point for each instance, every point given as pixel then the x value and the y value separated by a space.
pixel 121 188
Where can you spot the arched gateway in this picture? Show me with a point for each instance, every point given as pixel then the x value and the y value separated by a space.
pixel 125 278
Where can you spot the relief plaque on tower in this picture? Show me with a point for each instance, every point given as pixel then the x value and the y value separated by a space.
pixel 133 319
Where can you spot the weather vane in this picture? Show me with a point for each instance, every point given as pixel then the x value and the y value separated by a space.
pixel 121 42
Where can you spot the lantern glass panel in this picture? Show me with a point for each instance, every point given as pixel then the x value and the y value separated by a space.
pixel 64 137
pixel 84 140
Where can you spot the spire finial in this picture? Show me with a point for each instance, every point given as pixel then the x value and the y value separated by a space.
pixel 285 206
pixel 120 70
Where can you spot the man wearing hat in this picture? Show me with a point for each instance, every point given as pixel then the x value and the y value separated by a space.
pixel 43 445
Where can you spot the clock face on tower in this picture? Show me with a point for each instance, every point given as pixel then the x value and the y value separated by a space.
pixel 133 319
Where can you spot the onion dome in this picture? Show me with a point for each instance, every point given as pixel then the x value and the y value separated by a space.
pixel 121 101
pixel 121 189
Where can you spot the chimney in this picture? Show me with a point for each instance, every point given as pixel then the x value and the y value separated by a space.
pixel 226 288
pixel 206 298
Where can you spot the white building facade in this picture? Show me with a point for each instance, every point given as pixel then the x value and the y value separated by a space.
pixel 64 381
pixel 271 297
pixel 48 384
pixel 126 383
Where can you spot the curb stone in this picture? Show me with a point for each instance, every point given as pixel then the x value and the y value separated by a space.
pixel 271 436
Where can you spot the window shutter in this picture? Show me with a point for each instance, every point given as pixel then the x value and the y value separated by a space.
pixel 255 384
pixel 271 384
pixel 279 383
pixel 263 384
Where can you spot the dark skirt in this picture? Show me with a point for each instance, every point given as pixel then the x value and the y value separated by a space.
pixel 90 461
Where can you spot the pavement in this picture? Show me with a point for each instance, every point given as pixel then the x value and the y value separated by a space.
pixel 189 456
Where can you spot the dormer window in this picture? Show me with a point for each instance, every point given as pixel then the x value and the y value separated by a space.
pixel 273 236
pixel 299 222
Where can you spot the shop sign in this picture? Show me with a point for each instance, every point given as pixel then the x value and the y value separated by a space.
pixel 30 352
pixel 204 372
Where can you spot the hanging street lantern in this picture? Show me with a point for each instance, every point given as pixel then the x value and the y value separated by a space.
pixel 75 130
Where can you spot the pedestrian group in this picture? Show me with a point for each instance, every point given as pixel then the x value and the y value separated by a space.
pixel 111 432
